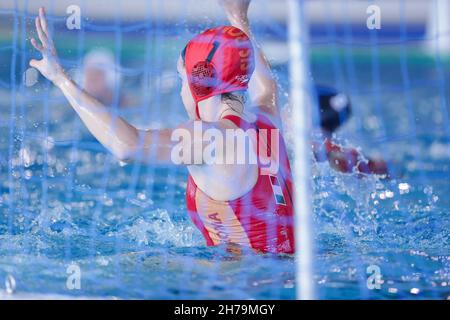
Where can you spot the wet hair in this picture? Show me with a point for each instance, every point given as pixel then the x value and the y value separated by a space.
pixel 183 55
pixel 335 108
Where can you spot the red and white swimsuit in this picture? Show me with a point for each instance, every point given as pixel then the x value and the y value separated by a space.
pixel 262 218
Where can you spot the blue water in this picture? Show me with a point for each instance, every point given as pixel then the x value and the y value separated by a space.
pixel 67 201
pixel 64 200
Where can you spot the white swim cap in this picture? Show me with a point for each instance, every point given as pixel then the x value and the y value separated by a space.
pixel 103 59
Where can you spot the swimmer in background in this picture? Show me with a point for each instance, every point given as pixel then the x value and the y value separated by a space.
pixel 335 110
pixel 100 77
pixel 233 204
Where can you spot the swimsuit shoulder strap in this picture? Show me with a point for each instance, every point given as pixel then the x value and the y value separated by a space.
pixel 261 121
pixel 239 122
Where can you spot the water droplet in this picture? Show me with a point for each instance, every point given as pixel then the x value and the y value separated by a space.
pixel 414 291
pixel 389 194
pixel 141 196
pixel 28 174
pixel 123 163
pixel 396 205
pixel 393 290
pixel 428 190
pixel 49 143
pixel 403 187
pixel 25 157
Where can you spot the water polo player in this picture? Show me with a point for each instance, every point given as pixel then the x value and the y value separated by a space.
pixel 100 77
pixel 334 111
pixel 243 203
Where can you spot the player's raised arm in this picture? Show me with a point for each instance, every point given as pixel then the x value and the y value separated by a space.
pixel 118 136
pixel 263 87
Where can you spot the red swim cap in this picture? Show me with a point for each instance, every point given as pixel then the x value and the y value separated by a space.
pixel 217 61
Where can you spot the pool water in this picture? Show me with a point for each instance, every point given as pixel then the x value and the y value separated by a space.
pixel 64 201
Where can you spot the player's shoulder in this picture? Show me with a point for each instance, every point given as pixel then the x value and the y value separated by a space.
pixel 267 116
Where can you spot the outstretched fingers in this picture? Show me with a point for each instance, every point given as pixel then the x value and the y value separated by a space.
pixel 43 20
pixel 37 45
pixel 40 32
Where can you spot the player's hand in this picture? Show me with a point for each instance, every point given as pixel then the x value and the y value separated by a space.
pixel 49 65
pixel 236 10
